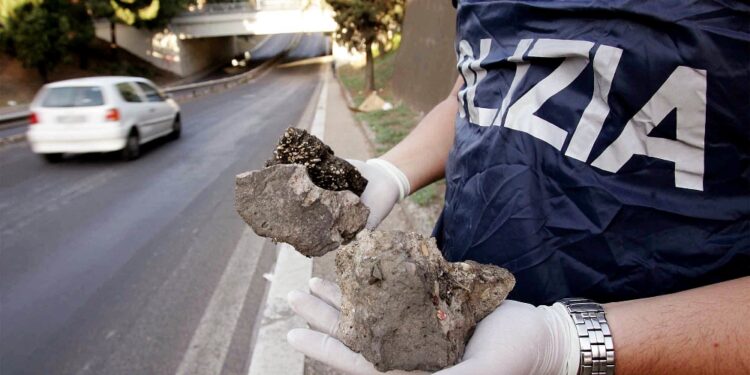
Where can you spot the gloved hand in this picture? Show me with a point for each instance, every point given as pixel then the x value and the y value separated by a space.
pixel 516 338
pixel 386 185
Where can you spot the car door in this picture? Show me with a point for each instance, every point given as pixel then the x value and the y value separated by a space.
pixel 137 108
pixel 163 113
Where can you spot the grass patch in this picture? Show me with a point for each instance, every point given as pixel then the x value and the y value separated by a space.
pixel 354 78
pixel 389 127
pixel 427 195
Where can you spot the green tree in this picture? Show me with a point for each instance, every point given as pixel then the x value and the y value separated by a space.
pixel 148 14
pixel 363 23
pixel 43 34
pixel 103 9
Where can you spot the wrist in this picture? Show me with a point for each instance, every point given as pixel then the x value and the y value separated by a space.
pixel 572 353
pixel 592 335
pixel 397 176
pixel 562 353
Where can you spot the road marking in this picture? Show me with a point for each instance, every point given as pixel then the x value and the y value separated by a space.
pixel 319 121
pixel 272 355
pixel 210 343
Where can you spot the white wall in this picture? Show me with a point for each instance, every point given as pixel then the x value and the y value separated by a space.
pixel 165 50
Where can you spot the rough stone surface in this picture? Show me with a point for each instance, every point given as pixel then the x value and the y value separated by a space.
pixel 405 307
pixel 326 170
pixel 282 203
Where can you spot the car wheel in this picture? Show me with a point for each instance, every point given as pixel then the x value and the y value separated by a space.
pixel 132 147
pixel 176 128
pixel 53 158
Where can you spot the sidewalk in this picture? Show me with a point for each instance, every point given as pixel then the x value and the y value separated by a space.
pixel 326 116
pixel 346 138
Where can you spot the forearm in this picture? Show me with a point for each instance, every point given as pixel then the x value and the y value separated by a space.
pixel 699 331
pixel 423 153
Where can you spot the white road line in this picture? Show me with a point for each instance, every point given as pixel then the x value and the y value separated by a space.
pixel 272 355
pixel 319 121
pixel 210 343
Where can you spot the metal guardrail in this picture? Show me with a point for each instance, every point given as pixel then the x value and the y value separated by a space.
pixel 13 116
pixel 244 7
pixel 193 90
pixel 282 4
pixel 219 8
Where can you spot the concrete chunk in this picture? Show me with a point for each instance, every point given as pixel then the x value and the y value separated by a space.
pixel 405 307
pixel 282 203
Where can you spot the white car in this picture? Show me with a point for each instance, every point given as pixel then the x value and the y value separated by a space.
pixel 100 114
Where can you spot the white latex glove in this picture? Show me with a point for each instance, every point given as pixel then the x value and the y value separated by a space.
pixel 321 311
pixel 386 185
pixel 517 338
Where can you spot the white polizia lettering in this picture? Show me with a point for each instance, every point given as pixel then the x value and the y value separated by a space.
pixel 521 114
pixel 606 60
pixel 473 73
pixel 685 92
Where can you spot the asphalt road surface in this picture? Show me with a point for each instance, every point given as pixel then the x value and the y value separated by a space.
pixel 269 48
pixel 109 267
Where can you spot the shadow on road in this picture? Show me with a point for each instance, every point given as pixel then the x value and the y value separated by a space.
pixel 114 156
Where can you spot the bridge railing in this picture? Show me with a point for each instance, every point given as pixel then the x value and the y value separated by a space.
pixel 282 4
pixel 245 6
pixel 219 8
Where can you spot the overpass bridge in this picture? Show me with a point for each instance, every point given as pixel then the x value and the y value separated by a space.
pixel 246 18
pixel 210 35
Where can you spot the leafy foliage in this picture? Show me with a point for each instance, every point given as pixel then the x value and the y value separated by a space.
pixel 147 13
pixel 362 23
pixel 138 13
pixel 100 8
pixel 43 34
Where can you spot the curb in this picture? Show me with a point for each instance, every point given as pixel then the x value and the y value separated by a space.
pixel 370 136
pixel 291 272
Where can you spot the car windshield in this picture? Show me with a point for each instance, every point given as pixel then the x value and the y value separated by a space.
pixel 80 96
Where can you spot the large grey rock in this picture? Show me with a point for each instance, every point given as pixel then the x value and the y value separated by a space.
pixel 282 203
pixel 405 307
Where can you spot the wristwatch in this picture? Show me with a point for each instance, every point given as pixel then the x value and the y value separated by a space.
pixel 594 336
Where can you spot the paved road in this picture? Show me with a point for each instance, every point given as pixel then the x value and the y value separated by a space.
pixel 273 46
pixel 300 46
pixel 110 267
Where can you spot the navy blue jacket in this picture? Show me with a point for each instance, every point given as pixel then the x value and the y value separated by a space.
pixel 602 148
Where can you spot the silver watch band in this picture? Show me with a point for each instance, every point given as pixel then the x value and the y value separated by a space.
pixel 594 336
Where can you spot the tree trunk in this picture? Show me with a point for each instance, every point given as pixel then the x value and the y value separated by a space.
pixel 113 40
pixel 369 68
pixel 112 34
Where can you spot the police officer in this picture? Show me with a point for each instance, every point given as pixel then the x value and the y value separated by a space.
pixel 599 150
